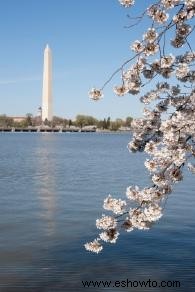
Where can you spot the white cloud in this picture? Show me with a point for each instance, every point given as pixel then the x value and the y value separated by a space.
pixel 19 80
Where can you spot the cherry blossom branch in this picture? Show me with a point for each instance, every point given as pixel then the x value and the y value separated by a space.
pixel 167 131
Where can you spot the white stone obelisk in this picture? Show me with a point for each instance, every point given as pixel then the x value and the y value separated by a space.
pixel 47 108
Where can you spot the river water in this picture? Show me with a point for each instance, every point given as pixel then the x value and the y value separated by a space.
pixel 52 186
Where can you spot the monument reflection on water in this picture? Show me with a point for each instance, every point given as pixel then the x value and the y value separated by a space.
pixel 46 184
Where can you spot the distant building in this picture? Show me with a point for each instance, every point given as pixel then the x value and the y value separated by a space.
pixel 18 119
pixel 123 129
pixel 91 128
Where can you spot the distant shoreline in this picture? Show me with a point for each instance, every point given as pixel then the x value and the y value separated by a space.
pixel 58 130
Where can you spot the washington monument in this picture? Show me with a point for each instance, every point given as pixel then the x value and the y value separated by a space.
pixel 47 108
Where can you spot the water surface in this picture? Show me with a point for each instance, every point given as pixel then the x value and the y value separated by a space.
pixel 52 187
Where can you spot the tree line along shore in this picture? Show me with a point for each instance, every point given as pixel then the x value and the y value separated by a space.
pixel 80 122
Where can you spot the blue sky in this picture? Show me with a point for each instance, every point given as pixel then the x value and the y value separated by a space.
pixel 88 42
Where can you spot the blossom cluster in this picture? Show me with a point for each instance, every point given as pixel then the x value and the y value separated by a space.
pixel 166 133
pixel 127 3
